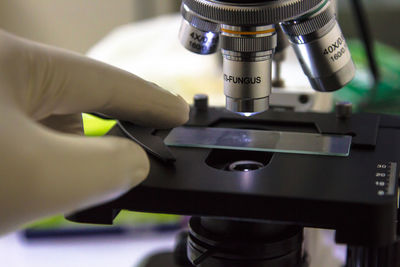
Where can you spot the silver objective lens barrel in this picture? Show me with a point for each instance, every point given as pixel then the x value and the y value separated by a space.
pixel 247 60
pixel 196 34
pixel 321 48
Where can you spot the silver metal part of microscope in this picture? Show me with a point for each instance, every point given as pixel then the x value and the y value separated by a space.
pixel 246 34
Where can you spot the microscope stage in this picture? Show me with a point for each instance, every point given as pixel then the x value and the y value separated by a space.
pixel 355 194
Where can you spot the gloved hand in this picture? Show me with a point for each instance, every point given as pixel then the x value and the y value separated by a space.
pixel 45 168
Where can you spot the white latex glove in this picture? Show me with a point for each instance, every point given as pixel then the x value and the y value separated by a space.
pixel 45 168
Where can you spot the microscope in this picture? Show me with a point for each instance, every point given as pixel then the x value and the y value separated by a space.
pixel 253 178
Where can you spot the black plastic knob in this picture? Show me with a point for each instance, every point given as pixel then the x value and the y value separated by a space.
pixel 344 109
pixel 200 101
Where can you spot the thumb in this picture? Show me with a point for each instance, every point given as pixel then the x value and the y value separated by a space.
pixel 63 172
pixel 89 170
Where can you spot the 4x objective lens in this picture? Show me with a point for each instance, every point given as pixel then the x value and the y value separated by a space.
pixel 198 35
pixel 321 48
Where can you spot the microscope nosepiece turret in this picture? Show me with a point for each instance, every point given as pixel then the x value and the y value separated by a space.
pixel 244 30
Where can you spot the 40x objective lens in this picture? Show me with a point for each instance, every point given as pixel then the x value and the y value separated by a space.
pixel 321 48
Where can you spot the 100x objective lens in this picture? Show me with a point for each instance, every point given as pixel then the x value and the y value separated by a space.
pixel 247 61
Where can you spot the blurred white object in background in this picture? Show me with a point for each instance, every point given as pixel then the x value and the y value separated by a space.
pixel 151 50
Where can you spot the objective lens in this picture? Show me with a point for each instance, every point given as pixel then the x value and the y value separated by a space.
pixel 321 48
pixel 198 35
pixel 247 60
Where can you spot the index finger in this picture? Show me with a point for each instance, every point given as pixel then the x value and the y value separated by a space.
pixel 63 82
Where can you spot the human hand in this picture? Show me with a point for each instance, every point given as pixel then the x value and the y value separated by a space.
pixel 45 167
